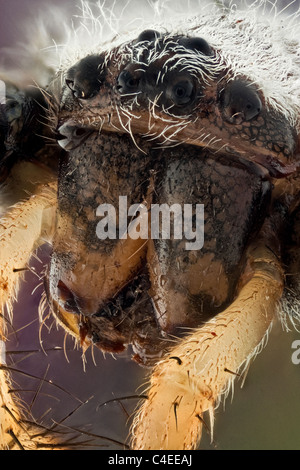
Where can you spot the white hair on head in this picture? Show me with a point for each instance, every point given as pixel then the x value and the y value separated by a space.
pixel 256 38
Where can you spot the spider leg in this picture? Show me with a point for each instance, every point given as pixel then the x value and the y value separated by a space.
pixel 195 374
pixel 24 226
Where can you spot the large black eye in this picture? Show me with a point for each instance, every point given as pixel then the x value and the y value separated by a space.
pixel 181 93
pixel 128 82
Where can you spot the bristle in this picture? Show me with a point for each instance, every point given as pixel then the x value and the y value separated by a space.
pixel 258 39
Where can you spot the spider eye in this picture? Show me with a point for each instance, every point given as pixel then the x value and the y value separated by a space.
pixel 127 82
pixel 182 93
pixel 13 109
pixel 86 77
pixel 240 101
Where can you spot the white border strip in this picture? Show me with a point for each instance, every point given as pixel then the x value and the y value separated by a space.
pixel 2 92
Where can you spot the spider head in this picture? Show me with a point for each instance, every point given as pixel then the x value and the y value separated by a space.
pixel 173 91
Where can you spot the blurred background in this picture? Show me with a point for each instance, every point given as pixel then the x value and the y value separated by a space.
pixel 264 414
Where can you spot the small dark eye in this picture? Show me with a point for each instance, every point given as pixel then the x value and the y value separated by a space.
pixel 13 109
pixel 182 93
pixel 240 101
pixel 127 82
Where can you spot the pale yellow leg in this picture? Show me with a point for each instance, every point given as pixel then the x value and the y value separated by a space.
pixel 190 380
pixel 24 226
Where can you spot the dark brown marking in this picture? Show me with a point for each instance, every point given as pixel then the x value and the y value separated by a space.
pixel 179 361
pixel 231 372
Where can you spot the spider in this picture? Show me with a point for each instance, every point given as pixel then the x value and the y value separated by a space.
pixel 167 116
